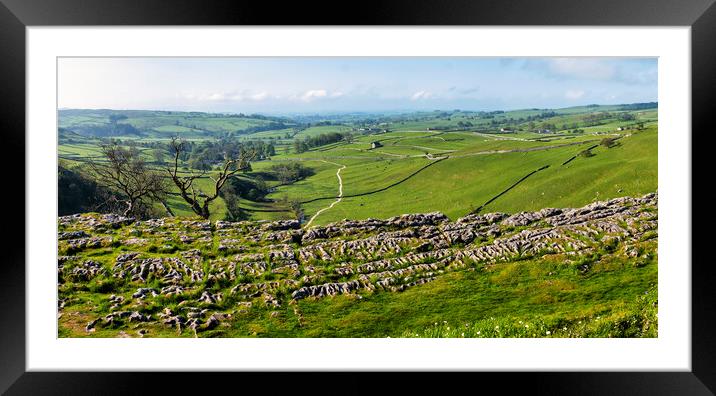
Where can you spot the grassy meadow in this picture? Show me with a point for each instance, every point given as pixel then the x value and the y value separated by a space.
pixel 424 163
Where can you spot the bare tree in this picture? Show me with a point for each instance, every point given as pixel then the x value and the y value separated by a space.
pixel 197 199
pixel 126 173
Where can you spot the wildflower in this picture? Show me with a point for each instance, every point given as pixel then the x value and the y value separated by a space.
pixel 527 326
pixel 463 334
pixel 445 321
pixel 448 328
pixel 564 328
pixel 478 333
pixel 549 332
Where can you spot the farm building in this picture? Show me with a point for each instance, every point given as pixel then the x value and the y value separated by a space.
pixel 506 130
pixel 375 145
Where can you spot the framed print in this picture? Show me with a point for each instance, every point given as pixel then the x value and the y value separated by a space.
pixel 468 190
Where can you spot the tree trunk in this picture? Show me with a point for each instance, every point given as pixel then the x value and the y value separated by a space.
pixel 205 211
pixel 130 206
pixel 167 208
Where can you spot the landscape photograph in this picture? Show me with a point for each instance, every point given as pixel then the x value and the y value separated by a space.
pixel 357 197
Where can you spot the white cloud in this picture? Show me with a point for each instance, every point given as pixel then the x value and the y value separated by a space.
pixel 594 69
pixel 259 96
pixel 316 94
pixel 313 94
pixel 231 96
pixel 421 95
pixel 215 96
pixel 242 84
pixel 209 97
pixel 574 94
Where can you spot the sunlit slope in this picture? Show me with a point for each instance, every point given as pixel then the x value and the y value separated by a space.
pixel 456 186
pixel 631 168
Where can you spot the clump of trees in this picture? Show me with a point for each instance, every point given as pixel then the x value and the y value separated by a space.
pixel 271 126
pixel 204 155
pixel 626 117
pixel 198 200
pixel 233 209
pixel 236 188
pixel 291 172
pixel 294 207
pixel 113 118
pixel 586 153
pixel 639 106
pixel 106 130
pixel 608 142
pixel 158 156
pixel 113 128
pixel 300 146
pixel 252 189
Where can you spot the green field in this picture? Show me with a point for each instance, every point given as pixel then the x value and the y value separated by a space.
pixel 471 175
pixel 160 124
pixel 423 163
pixel 473 164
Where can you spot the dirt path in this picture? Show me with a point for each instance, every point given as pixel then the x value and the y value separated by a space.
pixel 490 136
pixel 523 150
pixel 338 199
pixel 423 148
pixel 442 153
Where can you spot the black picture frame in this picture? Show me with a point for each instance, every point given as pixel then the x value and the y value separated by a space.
pixel 16 15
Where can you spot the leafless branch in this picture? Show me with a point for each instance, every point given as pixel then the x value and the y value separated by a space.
pixel 126 173
pixel 199 201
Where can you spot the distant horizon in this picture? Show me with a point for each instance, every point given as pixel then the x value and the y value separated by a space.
pixel 396 111
pixel 340 85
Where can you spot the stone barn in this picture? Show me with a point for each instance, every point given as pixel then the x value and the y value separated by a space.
pixel 375 145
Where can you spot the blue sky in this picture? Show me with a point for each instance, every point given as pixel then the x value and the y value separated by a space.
pixel 314 85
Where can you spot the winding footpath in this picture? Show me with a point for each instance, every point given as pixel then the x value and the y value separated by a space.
pixel 338 199
pixel 491 136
